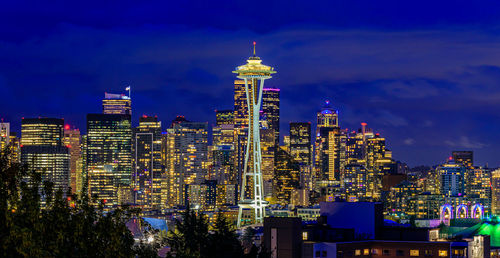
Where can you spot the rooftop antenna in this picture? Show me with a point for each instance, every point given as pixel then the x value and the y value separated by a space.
pixel 254 43
pixel 129 91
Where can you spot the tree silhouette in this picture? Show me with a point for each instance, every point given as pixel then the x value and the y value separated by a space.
pixel 61 227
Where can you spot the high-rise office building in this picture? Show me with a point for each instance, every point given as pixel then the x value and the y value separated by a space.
pixel 72 140
pixel 268 150
pixel 10 142
pixel 300 142
pixel 271 110
pixel 354 182
pixel 185 146
pixel 368 149
pixel 478 183
pixel 329 145
pixel 223 135
pixel 452 178
pixel 240 104
pixel 223 165
pixel 464 157
pixel 401 200
pixel 4 135
pixel 300 149
pixel 117 104
pixel 42 131
pixel 495 192
pixel 43 150
pixel 148 172
pixel 375 156
pixel 287 176
pixel 109 158
pixel 224 117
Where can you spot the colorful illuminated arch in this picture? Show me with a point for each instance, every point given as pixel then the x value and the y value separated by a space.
pixel 446 212
pixel 477 211
pixel 462 212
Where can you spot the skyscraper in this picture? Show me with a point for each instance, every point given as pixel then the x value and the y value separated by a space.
pixel 109 157
pixel 10 143
pixel 42 131
pixel 354 182
pixel 368 149
pixel 271 110
pixel 268 150
pixel 464 157
pixel 251 194
pixel 223 131
pixel 495 192
pixel 224 117
pixel 287 176
pixel 116 104
pixel 300 149
pixel 328 145
pixel 300 141
pixel 240 104
pixel 43 150
pixel 452 178
pixel 185 146
pixel 4 135
pixel 148 172
pixel 72 140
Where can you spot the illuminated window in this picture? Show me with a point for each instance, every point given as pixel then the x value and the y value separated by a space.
pixel 443 252
pixel 357 252
pixel 304 235
pixel 375 251
pixel 366 252
pixel 414 253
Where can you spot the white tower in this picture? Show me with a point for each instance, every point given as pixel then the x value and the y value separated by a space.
pixel 251 193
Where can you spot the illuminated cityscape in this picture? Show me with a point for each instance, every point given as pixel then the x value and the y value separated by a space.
pixel 357 137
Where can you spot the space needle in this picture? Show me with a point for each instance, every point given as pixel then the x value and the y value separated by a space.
pixel 251 193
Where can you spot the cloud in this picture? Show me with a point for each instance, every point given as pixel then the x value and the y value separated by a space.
pixel 409 141
pixel 465 142
pixel 402 82
pixel 388 118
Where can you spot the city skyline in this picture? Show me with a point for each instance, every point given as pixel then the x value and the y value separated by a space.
pixel 422 85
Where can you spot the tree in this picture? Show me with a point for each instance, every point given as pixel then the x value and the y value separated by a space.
pixel 224 240
pixel 63 227
pixel 189 238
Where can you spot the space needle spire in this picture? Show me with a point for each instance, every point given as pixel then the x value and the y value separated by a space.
pixel 252 193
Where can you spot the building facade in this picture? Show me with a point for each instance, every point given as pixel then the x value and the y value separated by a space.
pixel 43 150
pixel 149 175
pixel 109 158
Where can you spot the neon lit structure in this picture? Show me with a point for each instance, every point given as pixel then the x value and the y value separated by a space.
pixel 461 211
pixel 477 211
pixel 251 193
pixel 446 213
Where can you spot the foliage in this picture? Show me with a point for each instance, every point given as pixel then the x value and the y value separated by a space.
pixel 192 237
pixel 36 221
pixel 224 240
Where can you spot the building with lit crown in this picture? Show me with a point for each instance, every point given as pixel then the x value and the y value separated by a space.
pixel 117 104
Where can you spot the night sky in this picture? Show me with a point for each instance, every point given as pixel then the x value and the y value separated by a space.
pixel 425 74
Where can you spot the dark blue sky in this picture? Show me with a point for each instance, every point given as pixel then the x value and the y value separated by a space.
pixel 425 74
